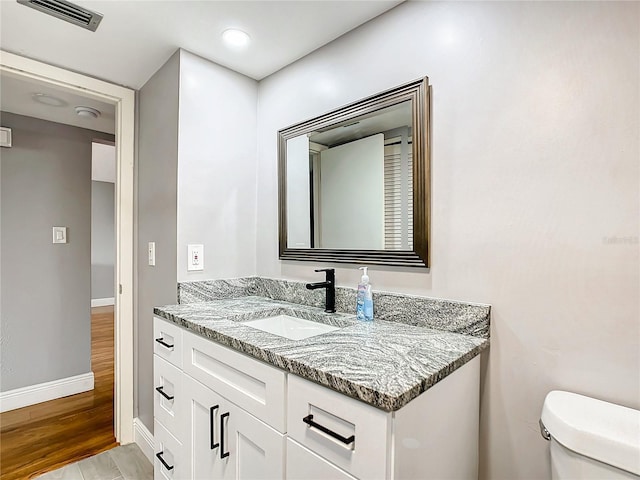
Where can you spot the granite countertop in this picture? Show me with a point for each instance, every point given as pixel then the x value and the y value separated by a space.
pixel 385 364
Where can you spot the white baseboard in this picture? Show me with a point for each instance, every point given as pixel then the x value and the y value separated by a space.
pixel 102 302
pixel 43 392
pixel 143 438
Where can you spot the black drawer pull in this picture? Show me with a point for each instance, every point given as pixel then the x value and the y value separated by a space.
pixel 166 465
pixel 162 342
pixel 161 392
pixel 223 454
pixel 309 421
pixel 211 423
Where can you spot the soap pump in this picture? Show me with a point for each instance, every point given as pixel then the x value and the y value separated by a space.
pixel 361 295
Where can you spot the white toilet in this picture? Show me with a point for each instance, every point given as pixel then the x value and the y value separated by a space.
pixel 591 439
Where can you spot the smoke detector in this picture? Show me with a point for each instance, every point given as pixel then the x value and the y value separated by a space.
pixel 67 11
pixel 48 100
pixel 87 112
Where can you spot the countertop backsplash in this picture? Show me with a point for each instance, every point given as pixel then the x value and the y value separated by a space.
pixel 446 315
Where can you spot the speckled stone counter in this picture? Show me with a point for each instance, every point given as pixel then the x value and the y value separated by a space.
pixel 383 363
pixel 452 316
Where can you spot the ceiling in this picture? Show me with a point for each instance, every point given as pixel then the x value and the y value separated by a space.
pixel 135 38
pixel 380 121
pixel 16 96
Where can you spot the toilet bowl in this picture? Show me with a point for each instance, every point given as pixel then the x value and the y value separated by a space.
pixel 590 439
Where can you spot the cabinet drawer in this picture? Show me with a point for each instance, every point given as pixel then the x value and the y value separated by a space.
pixel 352 435
pixel 249 383
pixel 303 464
pixel 167 341
pixel 169 399
pixel 169 449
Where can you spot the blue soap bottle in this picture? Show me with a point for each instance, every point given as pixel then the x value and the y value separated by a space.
pixel 361 294
pixel 368 304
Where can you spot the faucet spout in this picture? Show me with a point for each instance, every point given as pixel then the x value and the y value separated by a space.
pixel 330 285
pixel 316 285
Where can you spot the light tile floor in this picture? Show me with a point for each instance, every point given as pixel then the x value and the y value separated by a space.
pixel 126 462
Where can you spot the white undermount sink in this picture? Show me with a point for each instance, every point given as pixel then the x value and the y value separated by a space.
pixel 290 327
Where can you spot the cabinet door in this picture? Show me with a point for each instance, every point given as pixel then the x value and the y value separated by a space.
pixel 303 464
pixel 202 439
pixel 255 450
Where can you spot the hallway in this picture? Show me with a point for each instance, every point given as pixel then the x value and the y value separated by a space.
pixel 46 436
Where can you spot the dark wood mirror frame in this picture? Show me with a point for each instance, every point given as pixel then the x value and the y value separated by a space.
pixel 419 93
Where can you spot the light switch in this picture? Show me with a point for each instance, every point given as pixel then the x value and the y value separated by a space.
pixel 152 254
pixel 195 257
pixel 59 234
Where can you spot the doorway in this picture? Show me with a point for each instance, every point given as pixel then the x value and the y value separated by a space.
pixel 123 100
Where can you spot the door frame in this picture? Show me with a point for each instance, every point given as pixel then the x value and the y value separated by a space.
pixel 124 101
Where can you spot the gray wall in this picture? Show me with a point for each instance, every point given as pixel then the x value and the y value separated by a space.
pixel 103 239
pixel 45 314
pixel 157 217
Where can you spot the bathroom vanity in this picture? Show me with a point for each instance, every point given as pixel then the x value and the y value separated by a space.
pixel 364 400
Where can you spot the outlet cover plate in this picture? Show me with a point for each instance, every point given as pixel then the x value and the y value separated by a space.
pixel 195 257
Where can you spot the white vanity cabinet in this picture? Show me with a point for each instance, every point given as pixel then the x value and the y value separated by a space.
pixel 234 417
pixel 225 442
pixel 215 410
pixel 169 401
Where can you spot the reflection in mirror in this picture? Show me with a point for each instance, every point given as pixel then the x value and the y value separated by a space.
pixel 350 185
pixel 353 184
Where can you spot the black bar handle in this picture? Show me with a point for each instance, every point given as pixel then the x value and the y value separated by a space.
pixel 163 343
pixel 166 465
pixel 223 454
pixel 309 421
pixel 161 392
pixel 325 270
pixel 211 425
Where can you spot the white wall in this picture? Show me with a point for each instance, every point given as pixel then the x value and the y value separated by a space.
pixel 103 162
pixel 534 170
pixel 216 169
pixel 352 195
pixel 298 193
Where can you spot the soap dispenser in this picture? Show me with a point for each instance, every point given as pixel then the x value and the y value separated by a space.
pixel 361 294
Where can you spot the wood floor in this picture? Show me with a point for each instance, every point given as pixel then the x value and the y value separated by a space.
pixel 46 436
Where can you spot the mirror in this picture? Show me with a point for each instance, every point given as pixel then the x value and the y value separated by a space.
pixel 354 183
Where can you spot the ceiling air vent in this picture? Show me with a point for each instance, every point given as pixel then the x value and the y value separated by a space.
pixel 66 11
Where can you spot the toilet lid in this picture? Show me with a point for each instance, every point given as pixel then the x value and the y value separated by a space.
pixel 600 430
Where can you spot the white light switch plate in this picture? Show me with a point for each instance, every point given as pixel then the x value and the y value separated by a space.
pixel 195 257
pixel 5 137
pixel 152 254
pixel 59 234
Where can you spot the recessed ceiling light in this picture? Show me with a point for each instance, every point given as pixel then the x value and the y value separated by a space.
pixel 87 112
pixel 235 38
pixel 49 100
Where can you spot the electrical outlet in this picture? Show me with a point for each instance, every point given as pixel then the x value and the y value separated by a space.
pixel 195 257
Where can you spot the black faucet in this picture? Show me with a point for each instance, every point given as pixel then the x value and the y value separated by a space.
pixel 330 285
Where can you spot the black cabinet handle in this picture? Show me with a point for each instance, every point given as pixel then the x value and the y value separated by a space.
pixel 161 392
pixel 166 465
pixel 309 421
pixel 223 454
pixel 211 425
pixel 163 343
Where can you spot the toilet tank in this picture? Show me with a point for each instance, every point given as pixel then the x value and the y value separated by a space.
pixel 591 439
